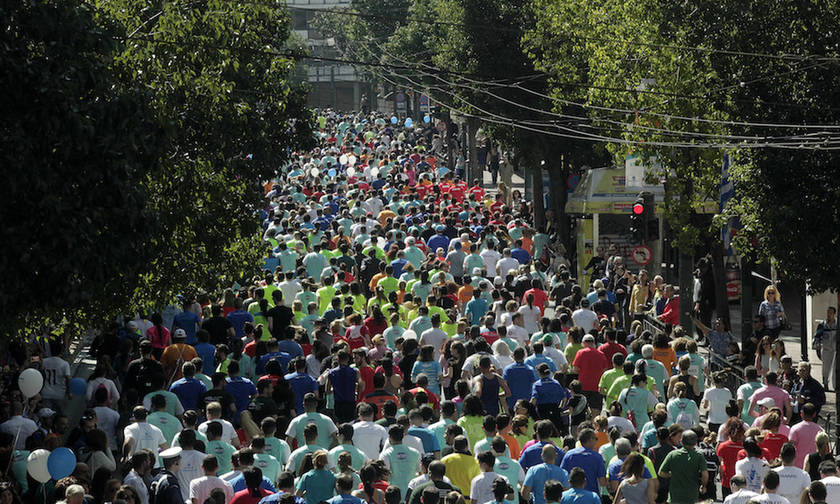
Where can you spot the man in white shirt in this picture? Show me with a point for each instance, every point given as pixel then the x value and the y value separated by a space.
pixel 516 330
pixel 490 257
pixel 434 336
pixel 106 418
pixel 214 414
pixel 142 435
pixel 200 488
pixel 141 464
pixel 792 480
pixel 828 475
pixel 192 463
pixel 505 264
pixel 481 487
pixel 368 436
pixel 290 288
pixel 740 494
pixel 18 426
pixel 56 378
pixel 771 485
pixel 585 318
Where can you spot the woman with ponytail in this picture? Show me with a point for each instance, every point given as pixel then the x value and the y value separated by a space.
pixel 317 484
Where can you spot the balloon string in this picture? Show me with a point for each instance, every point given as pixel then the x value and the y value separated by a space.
pixel 17 435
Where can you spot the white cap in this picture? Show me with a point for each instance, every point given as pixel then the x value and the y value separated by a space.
pixel 180 333
pixel 169 453
pixel 767 402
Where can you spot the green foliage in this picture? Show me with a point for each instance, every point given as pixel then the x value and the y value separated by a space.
pixel 136 141
pixel 605 53
pixel 788 198
pixel 74 151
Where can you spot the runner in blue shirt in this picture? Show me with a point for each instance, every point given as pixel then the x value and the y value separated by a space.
pixel 189 389
pixel 301 383
pixel 519 377
pixel 533 455
pixel 586 458
pixel 538 475
pixel 343 487
pixel 242 389
pixel 578 494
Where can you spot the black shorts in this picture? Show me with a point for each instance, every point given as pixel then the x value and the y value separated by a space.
pixel 595 399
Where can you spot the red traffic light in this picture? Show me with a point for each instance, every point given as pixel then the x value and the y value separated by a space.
pixel 638 208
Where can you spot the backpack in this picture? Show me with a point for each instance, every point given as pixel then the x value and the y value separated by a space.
pixel 102 386
pixel 683 418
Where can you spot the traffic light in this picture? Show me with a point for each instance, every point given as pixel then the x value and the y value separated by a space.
pixel 643 225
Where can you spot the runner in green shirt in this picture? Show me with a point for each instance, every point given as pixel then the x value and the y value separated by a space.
pixel 687 469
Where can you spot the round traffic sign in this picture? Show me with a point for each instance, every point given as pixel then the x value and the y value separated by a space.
pixel 642 255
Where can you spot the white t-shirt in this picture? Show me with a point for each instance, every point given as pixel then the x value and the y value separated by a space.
pixel 792 481
pixel 189 470
pixel 228 432
pixel 624 425
pixel 481 487
pixel 832 487
pixel 24 425
pixel 754 470
pixel 518 334
pixel 369 438
pixel 56 374
pixel 135 481
pixel 113 393
pixel 490 258
pixel 200 488
pixel 434 337
pixel 145 435
pixel 740 497
pixel 718 399
pixel 107 420
pixel 530 316
pixel 772 499
pixel 504 265
pixel 410 441
pixel 585 318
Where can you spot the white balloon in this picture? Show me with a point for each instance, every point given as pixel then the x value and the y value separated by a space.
pixel 36 465
pixel 30 382
pixel 343 159
pixel 314 172
pixel 374 172
pixel 352 160
pixel 351 171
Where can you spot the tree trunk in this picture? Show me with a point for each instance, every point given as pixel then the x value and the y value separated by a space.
pixel 472 166
pixel 537 192
pixel 719 271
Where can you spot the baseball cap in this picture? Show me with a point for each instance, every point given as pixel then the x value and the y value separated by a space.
pixel 767 402
pixel 180 333
pixel 45 413
pixel 589 337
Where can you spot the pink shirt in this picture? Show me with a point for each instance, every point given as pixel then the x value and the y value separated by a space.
pixel 803 435
pixel 779 396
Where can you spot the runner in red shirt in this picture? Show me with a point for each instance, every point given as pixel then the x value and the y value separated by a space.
pixel 591 364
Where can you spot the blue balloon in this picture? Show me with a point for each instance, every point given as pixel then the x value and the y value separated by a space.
pixel 61 462
pixel 78 386
pixel 394 120
pixel 427 119
pixel 332 172
pixel 408 122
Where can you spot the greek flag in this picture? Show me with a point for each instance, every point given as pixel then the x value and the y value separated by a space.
pixel 727 193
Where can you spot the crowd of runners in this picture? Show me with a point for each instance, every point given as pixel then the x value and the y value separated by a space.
pixel 414 339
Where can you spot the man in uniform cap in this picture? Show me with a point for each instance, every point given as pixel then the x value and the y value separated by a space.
pixel 165 488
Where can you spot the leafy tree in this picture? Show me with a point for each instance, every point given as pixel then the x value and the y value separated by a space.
pixel 74 153
pixel 148 128
pixel 788 199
